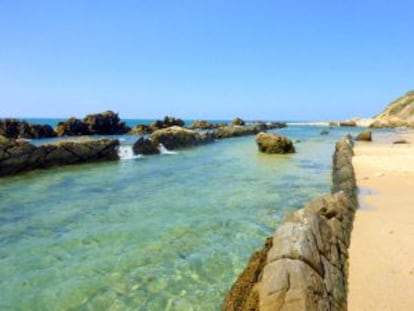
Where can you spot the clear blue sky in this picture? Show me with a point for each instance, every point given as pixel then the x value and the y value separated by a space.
pixel 212 59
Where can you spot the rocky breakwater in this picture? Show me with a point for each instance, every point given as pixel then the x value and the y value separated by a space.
pixel 304 266
pixel 16 156
pixel 105 123
pixel 172 138
pixel 13 128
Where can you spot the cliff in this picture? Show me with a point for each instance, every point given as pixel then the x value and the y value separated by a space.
pixel 304 266
pixel 399 113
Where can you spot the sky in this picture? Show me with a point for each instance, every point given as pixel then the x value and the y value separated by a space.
pixel 210 59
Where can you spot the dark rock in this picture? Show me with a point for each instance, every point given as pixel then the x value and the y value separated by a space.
pixel 18 156
pixel 364 136
pixel 167 122
pixel 275 125
pixel 105 123
pixel 145 146
pixel 72 127
pixel 272 143
pixel 324 132
pixel 238 121
pixel 12 128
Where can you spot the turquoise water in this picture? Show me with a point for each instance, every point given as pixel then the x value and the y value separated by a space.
pixel 167 232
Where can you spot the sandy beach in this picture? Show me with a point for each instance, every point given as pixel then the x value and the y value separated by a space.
pixel 381 273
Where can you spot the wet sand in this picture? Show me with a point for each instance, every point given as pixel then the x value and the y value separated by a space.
pixel 381 273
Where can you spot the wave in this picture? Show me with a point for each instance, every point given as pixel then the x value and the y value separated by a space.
pixel 125 152
pixel 164 150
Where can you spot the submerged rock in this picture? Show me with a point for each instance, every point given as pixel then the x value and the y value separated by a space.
pixel 324 132
pixel 400 141
pixel 16 156
pixel 13 128
pixel 364 136
pixel 272 143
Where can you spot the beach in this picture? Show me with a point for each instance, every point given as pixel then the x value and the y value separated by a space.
pixel 381 273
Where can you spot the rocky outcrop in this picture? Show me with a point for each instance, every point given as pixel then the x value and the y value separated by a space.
pixel 140 129
pixel 237 130
pixel 306 267
pixel 167 122
pixel 348 123
pixel 174 137
pixel 16 157
pixel 203 125
pixel 399 113
pixel 238 121
pixel 364 136
pixel 12 128
pixel 272 143
pixel 105 123
pixel 274 125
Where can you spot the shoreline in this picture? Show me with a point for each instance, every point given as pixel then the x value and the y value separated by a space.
pixel 381 274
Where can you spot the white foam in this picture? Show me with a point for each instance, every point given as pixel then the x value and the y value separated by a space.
pixel 164 150
pixel 125 152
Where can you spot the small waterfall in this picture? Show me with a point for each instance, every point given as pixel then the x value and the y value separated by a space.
pixel 125 152
pixel 164 150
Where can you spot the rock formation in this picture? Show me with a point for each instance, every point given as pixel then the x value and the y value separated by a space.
pixel 238 121
pixel 348 123
pixel 173 137
pixel 306 266
pixel 12 128
pixel 400 113
pixel 167 122
pixel 272 143
pixel 203 125
pixel 16 157
pixel 237 130
pixel 364 136
pixel 105 123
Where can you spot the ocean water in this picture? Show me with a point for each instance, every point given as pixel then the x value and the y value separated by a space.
pixel 167 232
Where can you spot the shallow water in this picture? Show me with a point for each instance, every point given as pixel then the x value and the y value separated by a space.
pixel 167 232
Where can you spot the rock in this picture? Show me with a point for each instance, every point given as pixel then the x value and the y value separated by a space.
pixel 72 127
pixel 364 136
pixel 12 128
pixel 145 146
pixel 238 121
pixel 349 123
pixel 275 125
pixel 324 132
pixel 167 122
pixel 140 129
pixel 237 130
pixel 400 141
pixel 16 157
pixel 178 137
pixel 105 123
pixel 333 124
pixel 201 124
pixel 272 143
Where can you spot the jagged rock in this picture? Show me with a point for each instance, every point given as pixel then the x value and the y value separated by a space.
pixel 105 123
pixel 364 136
pixel 238 121
pixel 272 143
pixel 145 146
pixel 72 127
pixel 12 128
pixel 201 124
pixel 237 130
pixel 18 156
pixel 177 137
pixel 167 122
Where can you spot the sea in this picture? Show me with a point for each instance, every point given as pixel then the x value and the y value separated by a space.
pixel 154 233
